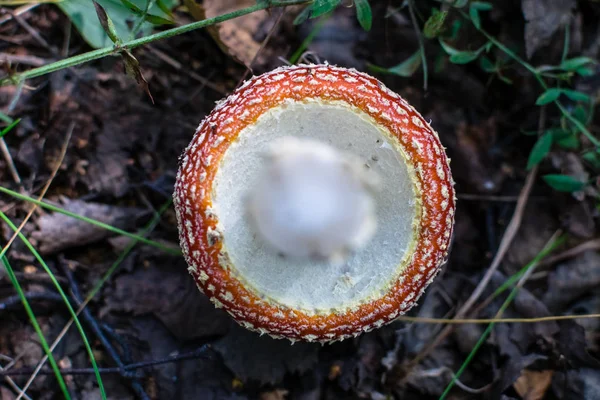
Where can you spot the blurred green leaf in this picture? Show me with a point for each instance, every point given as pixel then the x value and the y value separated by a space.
pixel 548 96
pixel 459 3
pixel 593 158
pixel 456 25
pixel 406 68
pixel 474 9
pixel 580 113
pixel 303 16
pixel 575 95
pixel 481 5
pixel 574 64
pixel 563 183
pixel 565 139
pixel 458 56
pixel 161 4
pixel 85 19
pixel 552 94
pixel 448 49
pixel 585 71
pixel 321 7
pixel 435 24
pixel 464 57
pixel 540 150
pixel 486 64
pixel 474 14
pixel 153 19
pixel 364 14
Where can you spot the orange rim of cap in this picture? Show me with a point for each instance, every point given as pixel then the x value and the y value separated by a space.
pixel 201 240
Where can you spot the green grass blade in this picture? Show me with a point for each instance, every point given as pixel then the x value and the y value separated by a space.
pixel 9 127
pixel 66 300
pixel 94 222
pixel 36 326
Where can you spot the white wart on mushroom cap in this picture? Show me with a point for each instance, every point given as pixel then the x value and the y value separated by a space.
pixel 303 298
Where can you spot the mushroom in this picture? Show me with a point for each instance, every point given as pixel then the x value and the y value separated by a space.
pixel 314 204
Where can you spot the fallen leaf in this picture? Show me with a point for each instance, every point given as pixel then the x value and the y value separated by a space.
pixel 543 18
pixel 473 145
pixel 573 346
pixel 237 35
pixel 107 170
pixel 513 369
pixel 261 358
pixel 169 294
pixel 532 385
pixel 277 394
pixel 57 232
pixel 242 37
pixel 572 280
pixel 591 383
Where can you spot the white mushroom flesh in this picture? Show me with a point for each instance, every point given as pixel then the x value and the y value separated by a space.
pixel 298 280
pixel 312 200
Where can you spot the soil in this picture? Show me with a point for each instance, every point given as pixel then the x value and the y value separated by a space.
pixel 155 336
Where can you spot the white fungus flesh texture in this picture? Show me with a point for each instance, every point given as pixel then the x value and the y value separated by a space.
pixel 307 283
pixel 312 200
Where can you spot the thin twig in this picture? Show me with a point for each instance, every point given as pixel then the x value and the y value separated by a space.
pixel 177 65
pixel 198 353
pixel 22 59
pixel 262 47
pixel 18 11
pixel 15 300
pixel 12 383
pixel 4 148
pixel 593 244
pixel 9 161
pixel 497 320
pixel 38 38
pixel 413 17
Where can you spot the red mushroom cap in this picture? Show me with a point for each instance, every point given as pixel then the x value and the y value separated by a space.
pixel 202 238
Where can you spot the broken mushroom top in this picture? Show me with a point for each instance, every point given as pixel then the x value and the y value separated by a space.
pixel 314 204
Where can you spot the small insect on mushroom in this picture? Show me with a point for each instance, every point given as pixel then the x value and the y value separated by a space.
pixel 314 204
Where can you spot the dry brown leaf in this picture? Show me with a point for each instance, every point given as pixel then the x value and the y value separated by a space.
pixel 58 232
pixel 532 385
pixel 237 36
pixel 277 394
pixel 543 20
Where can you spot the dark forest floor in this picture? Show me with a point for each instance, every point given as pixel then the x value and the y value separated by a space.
pixel 120 164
